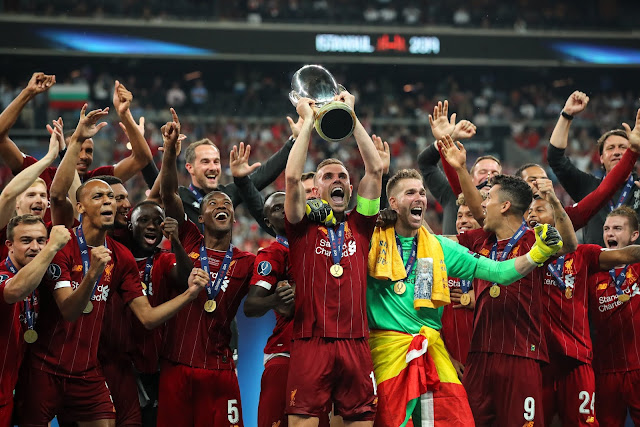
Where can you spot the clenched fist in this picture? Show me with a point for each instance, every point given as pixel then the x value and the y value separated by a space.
pixel 59 237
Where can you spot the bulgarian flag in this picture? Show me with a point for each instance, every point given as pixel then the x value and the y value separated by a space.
pixel 68 96
pixel 417 384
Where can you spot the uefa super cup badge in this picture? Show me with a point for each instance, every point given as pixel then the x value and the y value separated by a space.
pixel 335 120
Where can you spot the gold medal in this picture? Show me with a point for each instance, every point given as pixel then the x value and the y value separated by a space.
pixel 399 288
pixel 465 299
pixel 210 306
pixel 88 309
pixel 336 270
pixel 494 291
pixel 568 292
pixel 623 297
pixel 30 336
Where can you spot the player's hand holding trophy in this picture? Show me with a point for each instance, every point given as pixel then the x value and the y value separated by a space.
pixel 334 119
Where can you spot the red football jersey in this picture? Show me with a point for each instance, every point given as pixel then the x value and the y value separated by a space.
pixel 616 325
pixel 567 319
pixel 148 343
pixel 4 251
pixel 70 348
pixel 12 317
pixel 328 306
pixel 457 327
pixel 194 337
pixel 512 322
pixel 272 266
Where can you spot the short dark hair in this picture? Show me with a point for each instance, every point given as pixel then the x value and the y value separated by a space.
pixel 109 179
pixel 26 219
pixel 402 174
pixel 264 209
pixel 307 175
pixel 514 190
pixel 481 158
pixel 146 203
pixel 80 189
pixel 190 152
pixel 210 195
pixel 627 212
pixel 325 162
pixel 521 169
pixel 603 138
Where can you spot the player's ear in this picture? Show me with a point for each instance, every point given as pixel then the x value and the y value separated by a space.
pixel 634 236
pixel 200 219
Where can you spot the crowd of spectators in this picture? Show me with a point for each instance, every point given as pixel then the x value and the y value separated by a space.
pixel 519 15
pixel 252 107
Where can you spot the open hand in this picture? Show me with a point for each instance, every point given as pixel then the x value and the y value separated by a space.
pixel 440 124
pixel 383 152
pixel 88 125
pixel 239 161
pixel 453 152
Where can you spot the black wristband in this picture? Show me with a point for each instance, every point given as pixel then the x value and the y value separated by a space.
pixel 566 115
pixel 62 152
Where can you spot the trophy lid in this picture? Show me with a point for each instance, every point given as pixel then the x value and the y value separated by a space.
pixel 315 82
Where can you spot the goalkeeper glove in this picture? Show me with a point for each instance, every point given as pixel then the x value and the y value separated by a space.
pixel 318 210
pixel 548 243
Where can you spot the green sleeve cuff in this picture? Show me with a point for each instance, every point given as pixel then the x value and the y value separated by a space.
pixel 368 207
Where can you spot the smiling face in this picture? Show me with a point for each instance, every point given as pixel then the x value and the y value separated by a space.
pixel 85 158
pixel 28 241
pixel 274 212
pixel 485 169
pixel 409 200
pixel 333 185
pixel 540 212
pixel 97 204
pixel 205 169
pixel 465 220
pixel 146 222
pixel 617 232
pixel 33 201
pixel 612 151
pixel 122 205
pixel 217 212
pixel 493 208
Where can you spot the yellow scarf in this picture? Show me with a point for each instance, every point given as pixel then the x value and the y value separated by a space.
pixel 385 263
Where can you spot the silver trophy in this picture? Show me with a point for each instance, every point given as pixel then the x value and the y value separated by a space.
pixel 335 120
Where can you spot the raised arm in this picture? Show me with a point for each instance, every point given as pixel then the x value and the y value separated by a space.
pixel 169 170
pixel 24 179
pixel 577 183
pixel 180 273
pixel 29 277
pixel 370 186
pixel 260 301
pixel 295 200
pixel 612 258
pixel 152 317
pixel 456 156
pixel 61 209
pixel 10 153
pixel 240 169
pixel 562 220
pixel 140 152
pixel 576 103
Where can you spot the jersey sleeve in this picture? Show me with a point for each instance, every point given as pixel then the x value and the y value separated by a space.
pixel 267 268
pixel 364 225
pixel 101 170
pixel 58 274
pixel 297 230
pixel 591 257
pixel 5 277
pixel 189 235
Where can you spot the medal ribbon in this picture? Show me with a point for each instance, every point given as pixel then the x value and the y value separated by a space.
pixel 408 265
pixel 283 241
pixel 84 254
pixel 623 196
pixel 336 239
pixel 196 192
pixel 512 242
pixel 214 289
pixel 147 274
pixel 465 285
pixel 28 301
pixel 555 268
pixel 619 280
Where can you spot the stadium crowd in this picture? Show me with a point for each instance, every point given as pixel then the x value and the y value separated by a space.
pixel 520 15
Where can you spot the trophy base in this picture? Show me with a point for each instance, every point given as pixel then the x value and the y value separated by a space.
pixel 335 121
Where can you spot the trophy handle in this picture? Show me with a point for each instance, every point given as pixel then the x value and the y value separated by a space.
pixel 341 89
pixel 294 97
